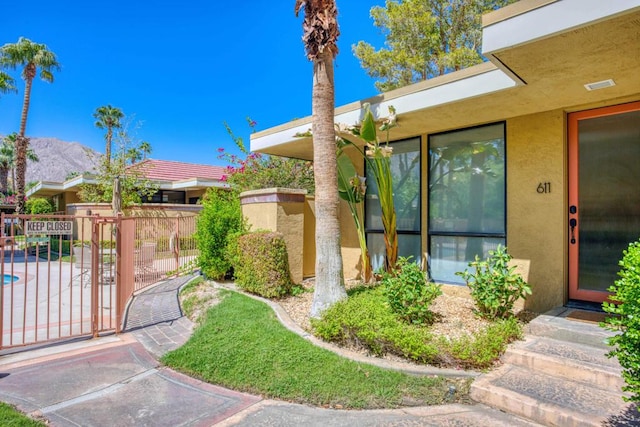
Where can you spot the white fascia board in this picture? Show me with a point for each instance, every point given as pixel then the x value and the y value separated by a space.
pixel 43 186
pixel 197 183
pixel 78 180
pixel 278 138
pixel 553 18
pixel 457 90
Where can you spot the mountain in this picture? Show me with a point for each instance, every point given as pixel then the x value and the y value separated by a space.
pixel 59 158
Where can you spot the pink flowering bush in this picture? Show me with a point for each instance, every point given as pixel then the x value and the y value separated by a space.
pixel 254 171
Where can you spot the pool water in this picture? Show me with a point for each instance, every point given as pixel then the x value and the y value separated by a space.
pixel 7 279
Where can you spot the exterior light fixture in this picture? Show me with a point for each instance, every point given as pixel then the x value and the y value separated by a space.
pixel 600 85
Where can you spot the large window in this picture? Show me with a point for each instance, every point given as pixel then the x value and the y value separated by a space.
pixel 466 198
pixel 166 196
pixel 405 168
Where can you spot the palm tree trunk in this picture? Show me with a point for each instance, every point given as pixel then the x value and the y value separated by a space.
pixel 21 169
pixel 107 150
pixel 329 286
pixel 22 142
pixel 4 180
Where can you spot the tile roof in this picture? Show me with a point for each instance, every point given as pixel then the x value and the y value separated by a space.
pixel 166 170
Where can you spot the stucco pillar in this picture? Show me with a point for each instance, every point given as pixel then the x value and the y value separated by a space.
pixel 281 210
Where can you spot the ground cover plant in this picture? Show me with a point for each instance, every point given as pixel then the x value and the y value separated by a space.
pixel 9 416
pixel 240 344
pixel 366 320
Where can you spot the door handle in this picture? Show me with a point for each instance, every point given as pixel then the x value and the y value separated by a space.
pixel 572 224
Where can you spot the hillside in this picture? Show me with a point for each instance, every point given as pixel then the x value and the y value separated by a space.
pixel 59 158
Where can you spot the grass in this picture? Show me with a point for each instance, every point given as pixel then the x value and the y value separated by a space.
pixel 11 417
pixel 241 345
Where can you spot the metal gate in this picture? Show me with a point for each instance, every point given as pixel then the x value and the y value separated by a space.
pixel 61 277
pixel 69 276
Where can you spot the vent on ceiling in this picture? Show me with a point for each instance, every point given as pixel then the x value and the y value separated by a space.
pixel 600 85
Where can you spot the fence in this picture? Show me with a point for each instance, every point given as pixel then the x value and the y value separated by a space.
pixel 68 276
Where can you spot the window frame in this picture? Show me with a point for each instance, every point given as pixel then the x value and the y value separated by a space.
pixel 373 230
pixel 449 233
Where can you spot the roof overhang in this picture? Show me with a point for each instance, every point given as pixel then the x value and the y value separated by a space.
pixel 190 184
pixel 542 54
pixel 470 83
pixel 49 188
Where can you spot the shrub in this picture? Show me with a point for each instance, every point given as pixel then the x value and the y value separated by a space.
pixel 495 287
pixel 220 216
pixel 261 264
pixel 625 305
pixel 39 205
pixel 409 294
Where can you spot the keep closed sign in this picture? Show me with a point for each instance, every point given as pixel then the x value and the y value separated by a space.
pixel 49 227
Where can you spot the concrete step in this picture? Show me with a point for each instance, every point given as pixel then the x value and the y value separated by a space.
pixel 555 324
pixel 568 360
pixel 549 400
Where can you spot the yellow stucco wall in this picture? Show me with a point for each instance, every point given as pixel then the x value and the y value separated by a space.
pixel 286 217
pixel 536 230
pixel 309 243
pixel 351 262
pixel 261 216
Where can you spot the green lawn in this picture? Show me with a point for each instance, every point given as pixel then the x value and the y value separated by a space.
pixel 10 417
pixel 241 345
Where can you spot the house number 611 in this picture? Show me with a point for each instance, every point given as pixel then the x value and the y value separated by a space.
pixel 544 188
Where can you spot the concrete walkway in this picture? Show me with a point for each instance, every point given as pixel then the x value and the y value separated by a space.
pixel 117 381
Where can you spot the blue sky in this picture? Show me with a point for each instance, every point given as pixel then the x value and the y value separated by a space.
pixel 181 67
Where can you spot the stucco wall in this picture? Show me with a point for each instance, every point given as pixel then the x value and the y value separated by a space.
pixel 536 216
pixel 309 249
pixel 351 264
pixel 275 210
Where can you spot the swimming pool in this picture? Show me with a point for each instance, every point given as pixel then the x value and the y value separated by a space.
pixel 7 279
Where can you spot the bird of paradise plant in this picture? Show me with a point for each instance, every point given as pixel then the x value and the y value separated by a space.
pixel 352 189
pixel 377 156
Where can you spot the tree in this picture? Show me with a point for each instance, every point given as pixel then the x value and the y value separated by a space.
pixel 320 28
pixel 134 187
pixel 136 154
pixel 424 39
pixel 7 84
pixel 8 161
pixel 254 171
pixel 31 56
pixel 108 118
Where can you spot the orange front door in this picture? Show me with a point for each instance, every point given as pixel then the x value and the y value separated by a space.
pixel 604 196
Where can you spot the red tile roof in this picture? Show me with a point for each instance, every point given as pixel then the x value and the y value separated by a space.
pixel 166 170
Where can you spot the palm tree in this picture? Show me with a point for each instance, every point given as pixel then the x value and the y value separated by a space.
pixel 139 153
pixel 145 149
pixel 31 56
pixel 320 28
pixel 8 161
pixel 7 83
pixel 108 118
